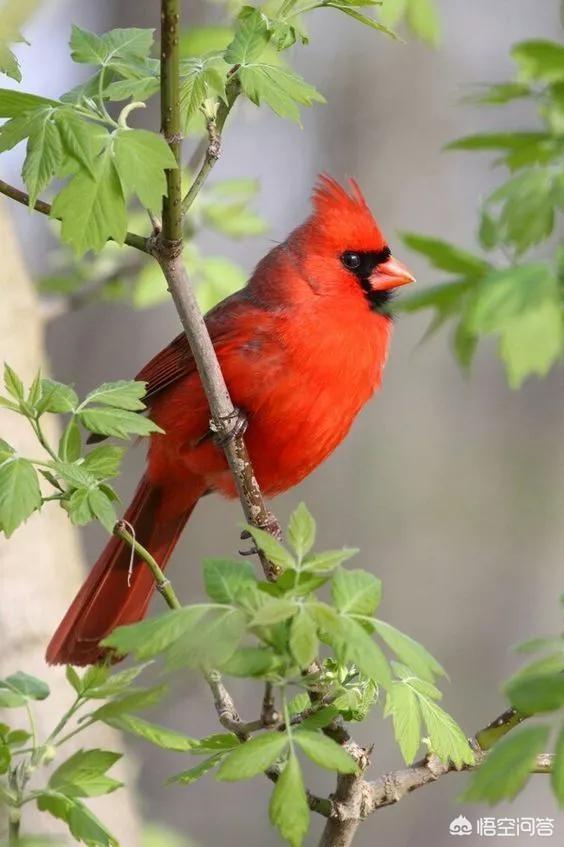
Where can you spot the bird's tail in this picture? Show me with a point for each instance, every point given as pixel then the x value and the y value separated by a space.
pixel 117 590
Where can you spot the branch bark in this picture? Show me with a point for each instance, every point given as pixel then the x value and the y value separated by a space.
pixel 167 247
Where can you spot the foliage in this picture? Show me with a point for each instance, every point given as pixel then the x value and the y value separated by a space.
pixel 78 479
pixel 537 690
pixel 261 631
pixel 509 292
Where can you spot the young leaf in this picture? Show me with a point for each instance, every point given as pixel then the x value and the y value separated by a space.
pixel 14 103
pixel 81 140
pixel 19 493
pixel 118 422
pixel 44 154
pixel 253 757
pixel 104 462
pixel 446 256
pixel 224 579
pixel 102 508
pixel 160 736
pixel 353 645
pixel 301 531
pixel 539 60
pixel 274 611
pixel 82 771
pixel 303 638
pixel 92 207
pixel 320 719
pixel 249 662
pixel 139 700
pixel 28 686
pixel 447 739
pixel 56 397
pixel 328 560
pixel 13 383
pixel 402 704
pixel 250 40
pixel 410 652
pixel 324 751
pixel 211 644
pixel 356 592
pixel 82 823
pixel 200 78
pixel 507 767
pixel 151 637
pixel 289 810
pixel 280 89
pixel 193 774
pixel 537 693
pixel 271 547
pixel 92 49
pixel 141 158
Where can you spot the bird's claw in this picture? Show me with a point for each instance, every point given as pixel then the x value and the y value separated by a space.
pixel 236 425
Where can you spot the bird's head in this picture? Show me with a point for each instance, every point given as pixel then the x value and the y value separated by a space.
pixel 343 247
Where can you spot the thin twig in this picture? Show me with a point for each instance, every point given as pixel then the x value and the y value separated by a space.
pixel 163 584
pixel 167 249
pixel 131 239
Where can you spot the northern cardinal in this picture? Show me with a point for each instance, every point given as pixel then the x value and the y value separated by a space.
pixel 302 348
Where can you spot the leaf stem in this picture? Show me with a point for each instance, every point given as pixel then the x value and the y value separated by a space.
pixel 163 584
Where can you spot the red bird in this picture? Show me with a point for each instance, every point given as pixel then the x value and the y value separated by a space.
pixel 302 348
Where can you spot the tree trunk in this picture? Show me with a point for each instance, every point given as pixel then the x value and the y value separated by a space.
pixel 41 565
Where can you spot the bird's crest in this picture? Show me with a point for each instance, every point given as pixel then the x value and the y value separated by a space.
pixel 344 217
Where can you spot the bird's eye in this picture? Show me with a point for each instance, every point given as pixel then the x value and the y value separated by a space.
pixel 352 261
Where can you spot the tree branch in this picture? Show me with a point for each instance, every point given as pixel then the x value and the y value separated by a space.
pixel 167 247
pixel 355 798
pixel 131 239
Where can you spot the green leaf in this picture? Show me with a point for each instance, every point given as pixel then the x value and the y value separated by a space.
pixel 527 213
pixel 141 158
pixel 44 154
pixel 28 686
pixel 328 560
pixel 353 645
pixel 78 506
pixel 289 810
pixel 193 774
pixel 92 207
pixel 423 19
pixel 271 547
pixel 104 462
pixel 301 531
pixel 446 256
pixel 539 60
pixel 117 422
pixel 56 397
pixel 403 705
pixel 538 693
pixel 14 103
pixel 320 719
pixel 139 700
pixel 408 651
pixel 9 64
pixel 557 775
pixel 224 579
pixel 355 592
pixel 508 293
pixel 82 823
pixel 222 741
pixel 324 751
pixel 211 644
pixel 446 738
pixel 160 736
pixel 532 343
pixel 507 141
pixel 500 93
pixel 236 221
pixel 200 78
pixel 253 757
pixel 92 49
pixel 349 9
pixel 303 638
pixel 250 40
pixel 508 766
pixel 81 139
pixel 274 611
pixel 280 89
pixel 10 699
pixel 81 774
pixel 13 383
pixel 110 686
pixel 151 637
pixel 123 394
pixel 19 493
pixel 15 130
pixel 102 508
pixel 249 662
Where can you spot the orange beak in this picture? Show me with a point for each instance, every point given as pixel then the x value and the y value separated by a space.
pixel 390 274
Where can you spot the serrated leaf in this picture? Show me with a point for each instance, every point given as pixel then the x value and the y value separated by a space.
pixel 136 702
pixel 104 462
pixel 200 78
pixel 301 530
pixel 14 385
pixel 92 49
pixel 281 90
pixel 251 38
pixel 141 158
pixel 44 154
pixel 117 422
pixel 446 738
pixel 303 638
pixel 82 823
pixel 446 256
pixel 92 207
pixel 211 644
pixel 78 507
pixel 224 579
pixel 151 637
pixel 160 736
pixel 102 508
pixel 320 719
pixel 328 560
pixel 20 495
pixel 193 774
pixel 289 810
pixel 355 592
pixel 57 397
pixel 353 645
pixel 81 139
pixel 508 766
pixel 83 771
pixel 402 704
pixel 324 751
pixel 123 394
pixel 14 103
pixel 409 651
pixel 249 662
pixel 274 611
pixel 271 547
pixel 253 757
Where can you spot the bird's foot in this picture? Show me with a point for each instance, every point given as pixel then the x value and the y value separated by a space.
pixel 235 425
pixel 270 525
